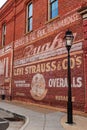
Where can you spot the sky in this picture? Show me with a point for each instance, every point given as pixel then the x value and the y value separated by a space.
pixel 2 2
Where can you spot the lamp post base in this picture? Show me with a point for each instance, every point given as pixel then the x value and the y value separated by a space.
pixel 69 113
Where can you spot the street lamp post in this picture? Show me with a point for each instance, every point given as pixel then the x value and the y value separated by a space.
pixel 69 39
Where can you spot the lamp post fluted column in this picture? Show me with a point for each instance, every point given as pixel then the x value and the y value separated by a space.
pixel 69 39
pixel 69 103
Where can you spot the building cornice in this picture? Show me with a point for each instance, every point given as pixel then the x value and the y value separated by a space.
pixel 5 8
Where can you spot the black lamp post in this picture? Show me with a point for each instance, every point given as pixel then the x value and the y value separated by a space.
pixel 69 39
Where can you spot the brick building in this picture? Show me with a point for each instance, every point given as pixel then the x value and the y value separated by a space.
pixel 33 56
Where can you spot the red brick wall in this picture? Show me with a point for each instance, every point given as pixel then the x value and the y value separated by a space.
pixel 44 47
pixel 50 53
pixel 85 59
pixel 40 15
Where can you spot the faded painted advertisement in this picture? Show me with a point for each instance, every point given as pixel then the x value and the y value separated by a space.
pixel 5 69
pixel 51 27
pixel 45 77
pixel 40 70
pixel 40 64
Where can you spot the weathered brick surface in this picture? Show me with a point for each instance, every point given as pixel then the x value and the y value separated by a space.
pixel 37 61
pixel 85 60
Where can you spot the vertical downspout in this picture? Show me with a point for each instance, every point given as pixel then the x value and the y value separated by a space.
pixel 12 53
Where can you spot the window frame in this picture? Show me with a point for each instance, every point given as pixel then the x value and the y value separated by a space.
pixel 3 34
pixel 50 9
pixel 29 25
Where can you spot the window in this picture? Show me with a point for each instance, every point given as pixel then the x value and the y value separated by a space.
pixel 29 17
pixel 53 8
pixel 3 34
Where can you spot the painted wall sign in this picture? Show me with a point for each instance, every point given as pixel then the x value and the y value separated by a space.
pixel 4 67
pixel 47 29
pixel 38 90
pixel 21 83
pixel 54 65
pixel 40 67
pixel 45 55
pixel 32 53
pixel 6 49
pixel 5 71
pixel 64 98
pixel 48 76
